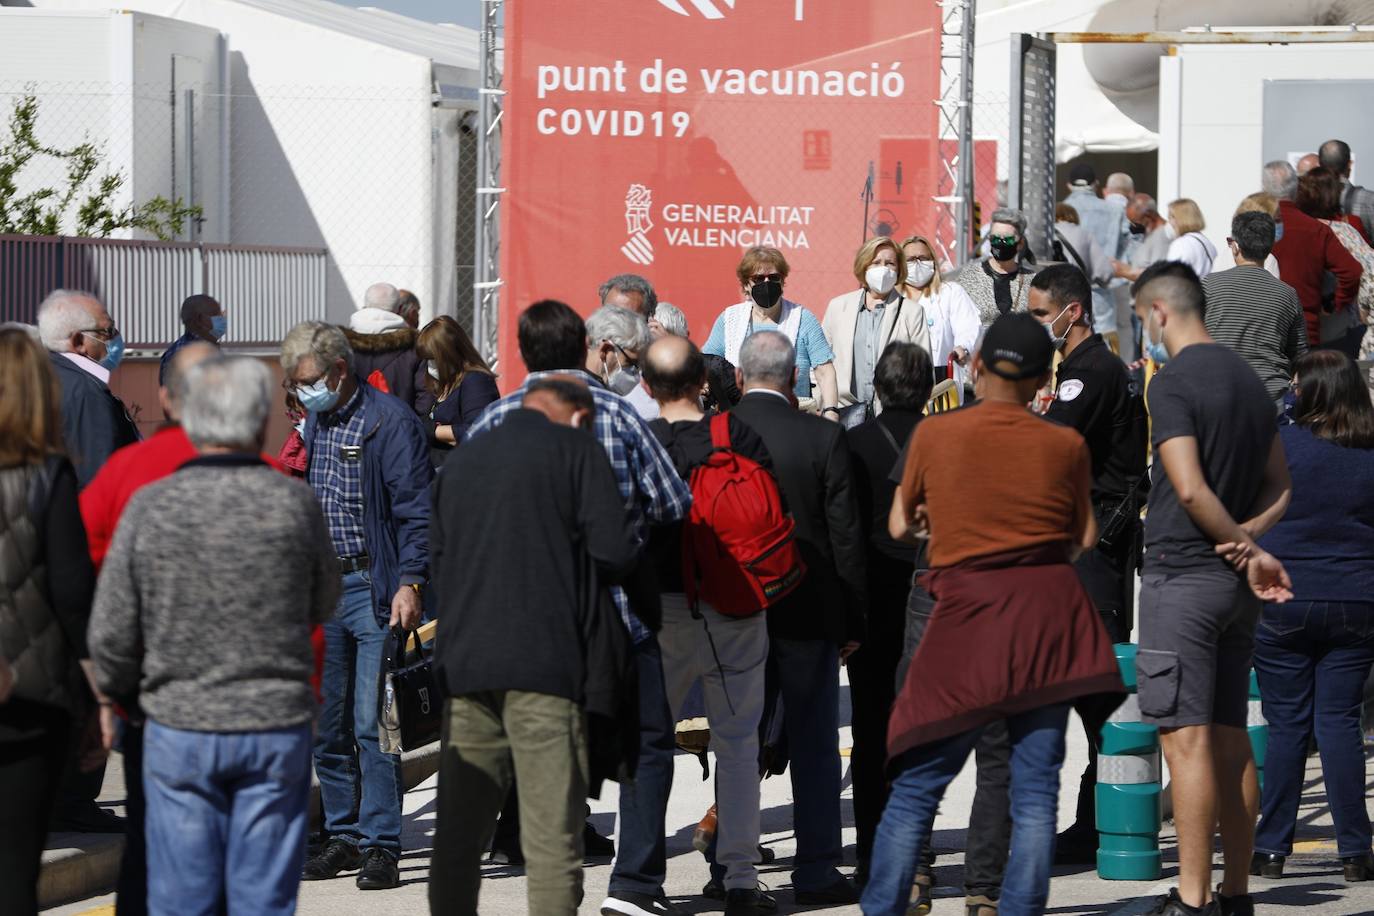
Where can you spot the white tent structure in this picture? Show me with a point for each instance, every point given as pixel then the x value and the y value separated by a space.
pixel 343 130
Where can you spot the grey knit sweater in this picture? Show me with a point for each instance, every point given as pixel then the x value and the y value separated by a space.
pixel 207 597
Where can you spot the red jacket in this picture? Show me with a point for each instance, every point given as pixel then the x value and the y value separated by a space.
pixel 1040 641
pixel 1307 250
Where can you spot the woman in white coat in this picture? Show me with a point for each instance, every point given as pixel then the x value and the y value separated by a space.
pixel 950 313
pixel 860 323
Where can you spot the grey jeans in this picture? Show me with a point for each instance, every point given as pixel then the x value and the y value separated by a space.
pixel 733 690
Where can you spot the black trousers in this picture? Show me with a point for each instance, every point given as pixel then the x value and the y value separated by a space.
pixel 872 690
pixel 30 771
pixel 131 893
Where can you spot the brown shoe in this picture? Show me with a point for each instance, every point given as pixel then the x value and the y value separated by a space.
pixel 705 832
pixel 980 906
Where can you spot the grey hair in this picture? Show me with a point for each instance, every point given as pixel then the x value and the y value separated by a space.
pixel 382 296
pixel 1010 216
pixel 1147 204
pixel 1121 183
pixel 622 327
pixel 671 318
pixel 194 306
pixel 179 369
pixel 1280 180
pixel 324 343
pixel 227 402
pixel 61 314
pixel 768 357
pixel 631 283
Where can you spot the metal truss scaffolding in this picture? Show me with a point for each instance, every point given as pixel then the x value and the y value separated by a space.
pixel 954 176
pixel 487 281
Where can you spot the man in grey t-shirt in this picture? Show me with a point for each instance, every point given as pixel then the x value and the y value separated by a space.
pixel 1217 461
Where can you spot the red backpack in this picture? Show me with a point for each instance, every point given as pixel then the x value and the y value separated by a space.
pixel 738 553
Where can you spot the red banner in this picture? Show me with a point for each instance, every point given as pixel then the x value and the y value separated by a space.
pixel 664 137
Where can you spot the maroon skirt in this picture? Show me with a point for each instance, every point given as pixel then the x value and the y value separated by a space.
pixel 1010 632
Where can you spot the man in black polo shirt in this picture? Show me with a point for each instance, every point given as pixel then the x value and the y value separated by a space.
pixel 1094 395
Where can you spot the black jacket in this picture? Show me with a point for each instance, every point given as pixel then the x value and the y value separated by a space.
pixel 94 421
pixel 812 463
pixel 392 353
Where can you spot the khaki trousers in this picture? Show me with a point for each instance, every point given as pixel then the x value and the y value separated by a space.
pixel 542 739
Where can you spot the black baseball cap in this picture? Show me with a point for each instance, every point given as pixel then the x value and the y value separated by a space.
pixel 1016 347
pixel 1082 174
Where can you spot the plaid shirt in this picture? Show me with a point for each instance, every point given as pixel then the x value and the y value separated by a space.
pixel 652 490
pixel 338 483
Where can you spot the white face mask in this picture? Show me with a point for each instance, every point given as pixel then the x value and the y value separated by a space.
pixel 920 273
pixel 880 278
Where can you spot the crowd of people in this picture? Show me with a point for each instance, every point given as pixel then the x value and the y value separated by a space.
pixel 644 525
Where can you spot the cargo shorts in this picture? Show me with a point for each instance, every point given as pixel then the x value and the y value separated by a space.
pixel 1197 637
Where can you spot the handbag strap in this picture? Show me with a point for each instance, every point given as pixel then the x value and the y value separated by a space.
pixel 891 439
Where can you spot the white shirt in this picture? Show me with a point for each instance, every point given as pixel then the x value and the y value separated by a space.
pixel 643 403
pixel 1194 250
pixel 90 367
pixel 953 321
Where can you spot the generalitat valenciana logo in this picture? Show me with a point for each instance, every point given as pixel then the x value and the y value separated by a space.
pixel 713 9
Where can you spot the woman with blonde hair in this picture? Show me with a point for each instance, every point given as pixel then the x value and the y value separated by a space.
pixel 1189 245
pixel 49 582
pixel 950 313
pixel 1260 202
pixel 861 323
pixel 762 275
pixel 462 382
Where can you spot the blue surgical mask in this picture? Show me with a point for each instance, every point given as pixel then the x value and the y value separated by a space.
pixel 1155 351
pixel 1278 232
pixel 219 326
pixel 317 398
pixel 114 352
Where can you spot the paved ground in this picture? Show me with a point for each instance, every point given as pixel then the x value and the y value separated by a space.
pixel 1314 871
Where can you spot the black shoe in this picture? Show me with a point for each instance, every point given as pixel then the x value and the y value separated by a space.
pixel 594 845
pixel 749 901
pixel 627 903
pixel 841 892
pixel 1076 846
pixel 379 871
pixel 1239 905
pixel 499 856
pixel 714 890
pixel 1358 868
pixel 1266 865
pixel 766 855
pixel 336 856
pixel 87 818
pixel 1172 905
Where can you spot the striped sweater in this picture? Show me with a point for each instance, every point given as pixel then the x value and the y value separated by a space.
pixel 1260 318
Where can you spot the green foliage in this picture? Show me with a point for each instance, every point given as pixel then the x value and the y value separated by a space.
pixel 83 195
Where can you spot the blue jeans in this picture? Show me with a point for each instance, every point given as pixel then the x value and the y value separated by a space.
pixel 1037 753
pixel 808 673
pixel 641 860
pixel 360 787
pixel 1311 659
pixel 226 819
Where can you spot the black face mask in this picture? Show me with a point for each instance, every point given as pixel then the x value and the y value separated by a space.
pixel 766 293
pixel 1137 229
pixel 1004 251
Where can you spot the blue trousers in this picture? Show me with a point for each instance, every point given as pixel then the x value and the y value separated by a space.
pixel 1311 659
pixel 1037 753
pixel 226 819
pixel 360 787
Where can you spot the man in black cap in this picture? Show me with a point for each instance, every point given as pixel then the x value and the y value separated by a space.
pixel 1093 394
pixel 1000 564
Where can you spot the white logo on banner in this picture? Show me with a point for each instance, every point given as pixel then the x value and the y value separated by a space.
pixel 638 201
pixel 710 9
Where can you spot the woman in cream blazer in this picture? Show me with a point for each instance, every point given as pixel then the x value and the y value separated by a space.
pixel 859 324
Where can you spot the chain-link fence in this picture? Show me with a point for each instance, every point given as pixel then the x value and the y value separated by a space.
pixel 379 176
pixel 991 148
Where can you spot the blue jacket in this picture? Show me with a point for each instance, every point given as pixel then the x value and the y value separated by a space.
pixel 94 422
pixel 396 499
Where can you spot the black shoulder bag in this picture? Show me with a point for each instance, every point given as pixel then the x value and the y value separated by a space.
pixel 409 712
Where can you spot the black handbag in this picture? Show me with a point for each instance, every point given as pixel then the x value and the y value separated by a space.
pixel 409 713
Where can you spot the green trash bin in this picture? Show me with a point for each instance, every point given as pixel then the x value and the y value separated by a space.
pixel 1257 728
pixel 1128 788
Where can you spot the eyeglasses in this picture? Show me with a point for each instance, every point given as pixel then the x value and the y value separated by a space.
pixel 764 278
pixel 1004 239
pixel 292 386
pixel 106 334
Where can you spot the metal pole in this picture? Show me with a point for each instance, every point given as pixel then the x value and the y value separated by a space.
pixel 965 212
pixel 486 279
